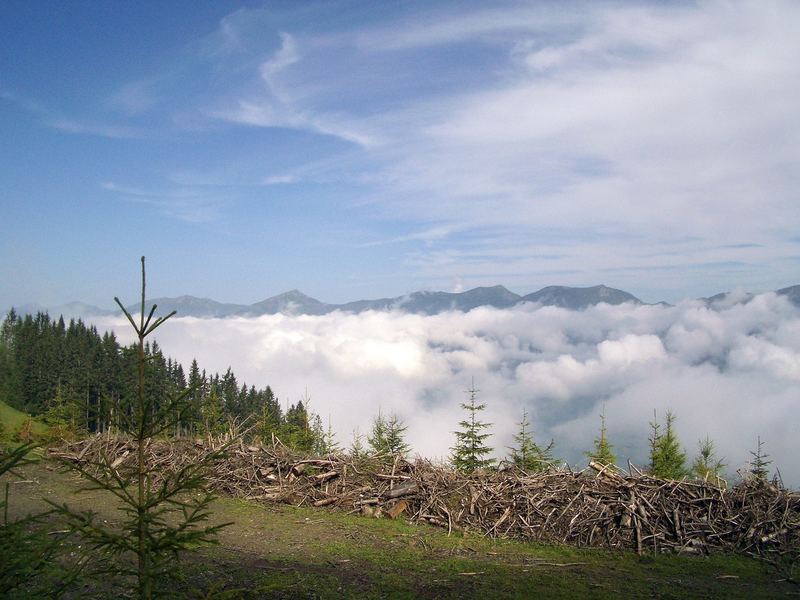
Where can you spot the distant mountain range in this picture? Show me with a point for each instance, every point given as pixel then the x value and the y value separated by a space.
pixel 295 302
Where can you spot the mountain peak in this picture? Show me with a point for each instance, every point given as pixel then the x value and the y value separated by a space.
pixel 295 302
pixel 579 298
pixel 291 302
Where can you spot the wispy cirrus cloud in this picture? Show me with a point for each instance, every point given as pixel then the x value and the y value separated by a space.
pixel 274 106
pixel 82 128
pixel 134 97
pixel 51 118
pixel 191 205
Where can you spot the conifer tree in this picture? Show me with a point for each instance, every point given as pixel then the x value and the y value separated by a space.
pixel 329 443
pixel 9 369
pixel 470 449
pixel 296 431
pixel 603 451
pixel 667 460
pixel 32 564
pixel 357 449
pixel 395 436
pixel 387 438
pixel 759 466
pixel 196 385
pixel 654 440
pixel 212 413
pixel 318 436
pixel 706 465
pixel 377 437
pixel 161 521
pixel 270 417
pixel 527 454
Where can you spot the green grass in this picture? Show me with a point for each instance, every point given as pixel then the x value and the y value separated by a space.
pixel 281 551
pixel 12 419
pixel 326 554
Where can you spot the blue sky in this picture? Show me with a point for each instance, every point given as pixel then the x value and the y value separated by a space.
pixel 357 150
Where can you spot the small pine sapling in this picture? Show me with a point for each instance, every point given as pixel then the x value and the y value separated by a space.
pixel 603 451
pixel 759 466
pixel 470 450
pixel 32 565
pixel 160 521
pixel 706 465
pixel 667 459
pixel 527 454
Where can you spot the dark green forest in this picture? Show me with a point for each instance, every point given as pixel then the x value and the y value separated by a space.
pixel 79 380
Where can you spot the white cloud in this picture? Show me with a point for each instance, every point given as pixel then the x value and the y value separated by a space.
pixel 280 179
pixel 276 106
pixel 181 203
pixel 134 97
pixel 732 374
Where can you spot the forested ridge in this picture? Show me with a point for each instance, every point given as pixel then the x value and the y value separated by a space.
pixel 72 376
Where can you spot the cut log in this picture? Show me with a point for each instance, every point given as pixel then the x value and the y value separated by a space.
pixel 325 502
pixel 403 489
pixel 326 476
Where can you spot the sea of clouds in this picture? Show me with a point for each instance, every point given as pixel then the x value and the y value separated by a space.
pixel 731 372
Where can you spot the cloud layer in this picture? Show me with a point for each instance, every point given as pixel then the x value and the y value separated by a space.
pixel 731 373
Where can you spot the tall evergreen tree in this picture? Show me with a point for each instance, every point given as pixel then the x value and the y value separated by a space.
pixel 196 385
pixel 9 370
pixel 470 450
pixel 270 416
pixel 296 429
pixel 603 451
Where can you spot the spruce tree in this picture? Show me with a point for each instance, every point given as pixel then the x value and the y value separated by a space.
pixel 603 451
pixel 357 449
pixel 330 445
pixel 706 465
pixel 654 440
pixel 668 461
pixel 318 436
pixel 527 454
pixel 160 521
pixel 296 431
pixel 377 437
pixel 32 561
pixel 270 417
pixel 759 466
pixel 212 413
pixel 470 449
pixel 387 438
pixel 395 436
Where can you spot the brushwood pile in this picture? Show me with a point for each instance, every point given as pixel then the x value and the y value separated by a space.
pixel 597 507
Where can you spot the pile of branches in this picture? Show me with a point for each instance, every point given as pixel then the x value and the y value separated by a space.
pixel 600 506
